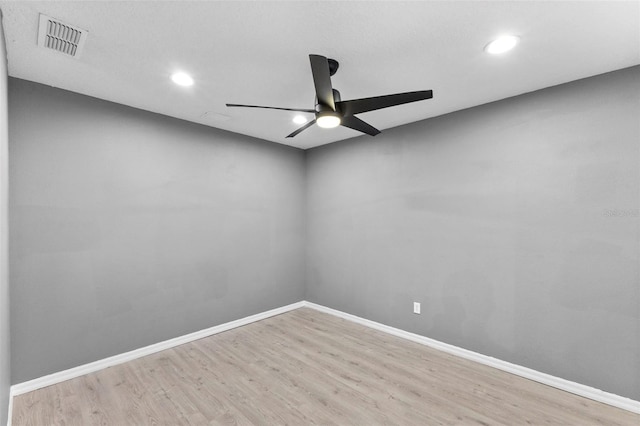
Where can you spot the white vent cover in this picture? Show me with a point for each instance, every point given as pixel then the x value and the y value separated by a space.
pixel 61 37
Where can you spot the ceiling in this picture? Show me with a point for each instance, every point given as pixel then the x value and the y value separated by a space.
pixel 257 53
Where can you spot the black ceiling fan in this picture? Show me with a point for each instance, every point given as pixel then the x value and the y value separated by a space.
pixel 331 111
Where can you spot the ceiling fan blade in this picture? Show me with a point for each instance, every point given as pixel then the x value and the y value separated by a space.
pixel 322 80
pixel 355 123
pixel 268 107
pixel 356 106
pixel 305 127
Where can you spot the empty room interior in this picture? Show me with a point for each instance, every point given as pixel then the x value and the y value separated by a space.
pixel 314 212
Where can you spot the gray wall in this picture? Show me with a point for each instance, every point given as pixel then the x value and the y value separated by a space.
pixel 5 368
pixel 515 224
pixel 129 228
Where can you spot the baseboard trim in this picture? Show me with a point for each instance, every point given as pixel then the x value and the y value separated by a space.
pixel 10 409
pixel 91 367
pixel 547 379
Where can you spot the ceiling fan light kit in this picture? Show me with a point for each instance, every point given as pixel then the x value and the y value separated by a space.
pixel 331 111
pixel 328 120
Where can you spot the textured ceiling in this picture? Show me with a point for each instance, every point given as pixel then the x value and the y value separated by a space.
pixel 257 53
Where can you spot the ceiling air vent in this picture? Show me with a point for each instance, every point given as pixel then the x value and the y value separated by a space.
pixel 61 37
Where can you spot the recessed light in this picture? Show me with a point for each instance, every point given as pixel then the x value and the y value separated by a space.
pixel 182 79
pixel 300 119
pixel 502 44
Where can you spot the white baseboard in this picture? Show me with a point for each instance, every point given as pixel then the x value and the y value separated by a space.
pixel 81 370
pixel 10 410
pixel 547 379
pixel 556 382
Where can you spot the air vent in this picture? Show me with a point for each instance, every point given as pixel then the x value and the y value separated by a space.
pixel 61 37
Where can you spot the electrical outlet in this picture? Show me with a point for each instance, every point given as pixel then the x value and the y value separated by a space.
pixel 416 308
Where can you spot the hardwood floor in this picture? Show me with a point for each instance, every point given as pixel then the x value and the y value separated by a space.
pixel 306 367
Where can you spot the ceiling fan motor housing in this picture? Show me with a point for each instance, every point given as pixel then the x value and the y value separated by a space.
pixel 321 107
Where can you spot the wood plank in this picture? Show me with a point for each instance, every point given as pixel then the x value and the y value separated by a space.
pixel 306 367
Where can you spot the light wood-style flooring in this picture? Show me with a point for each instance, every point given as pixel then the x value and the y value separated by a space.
pixel 306 367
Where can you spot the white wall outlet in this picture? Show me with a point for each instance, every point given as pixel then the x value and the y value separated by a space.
pixel 416 308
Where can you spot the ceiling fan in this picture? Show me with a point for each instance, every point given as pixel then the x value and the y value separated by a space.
pixel 331 111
